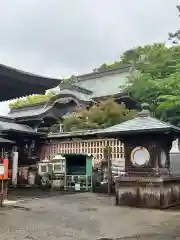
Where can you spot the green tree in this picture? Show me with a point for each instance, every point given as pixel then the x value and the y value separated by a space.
pixel 175 37
pixel 157 81
pixel 104 114
pixel 155 59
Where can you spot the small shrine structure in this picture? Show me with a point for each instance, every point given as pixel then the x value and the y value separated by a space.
pixel 147 181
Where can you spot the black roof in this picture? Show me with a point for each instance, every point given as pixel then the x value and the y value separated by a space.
pixel 8 125
pixel 3 140
pixel 139 124
pixel 74 134
pixel 86 89
pixel 16 83
pixel 29 111
pixel 144 123
pixel 37 110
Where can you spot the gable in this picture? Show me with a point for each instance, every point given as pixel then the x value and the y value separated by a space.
pixel 105 85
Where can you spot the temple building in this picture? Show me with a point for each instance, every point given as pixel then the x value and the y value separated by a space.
pixel 76 92
pixel 25 138
pixel 82 142
pixel 21 131
pixel 16 137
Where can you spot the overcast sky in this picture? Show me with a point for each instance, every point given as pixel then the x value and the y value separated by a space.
pixel 64 37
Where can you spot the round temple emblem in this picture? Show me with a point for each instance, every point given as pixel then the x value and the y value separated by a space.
pixel 140 156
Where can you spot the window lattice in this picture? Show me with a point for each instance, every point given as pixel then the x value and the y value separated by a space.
pixel 94 147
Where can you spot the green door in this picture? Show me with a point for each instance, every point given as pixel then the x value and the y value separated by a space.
pixel 89 165
pixel 88 173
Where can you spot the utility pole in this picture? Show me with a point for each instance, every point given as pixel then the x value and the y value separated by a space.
pixel 109 171
pixel 107 154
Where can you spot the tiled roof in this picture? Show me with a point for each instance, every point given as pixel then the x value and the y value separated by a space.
pixel 85 90
pixel 3 140
pixel 37 110
pixel 31 111
pixel 7 124
pixel 104 72
pixel 74 93
pixel 142 124
pixel 136 125
pixel 15 83
pixel 139 124
pixel 72 134
pixel 24 76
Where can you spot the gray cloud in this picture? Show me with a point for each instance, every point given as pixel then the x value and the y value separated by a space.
pixel 64 37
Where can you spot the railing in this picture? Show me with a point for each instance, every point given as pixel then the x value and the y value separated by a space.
pixel 72 181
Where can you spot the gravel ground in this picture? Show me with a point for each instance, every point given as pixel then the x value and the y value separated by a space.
pixel 83 216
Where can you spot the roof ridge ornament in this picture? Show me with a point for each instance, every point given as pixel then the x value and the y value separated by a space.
pixel 145 110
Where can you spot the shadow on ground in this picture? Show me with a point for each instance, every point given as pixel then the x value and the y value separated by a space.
pixel 15 194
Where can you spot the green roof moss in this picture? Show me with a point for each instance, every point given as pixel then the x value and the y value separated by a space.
pixel 31 100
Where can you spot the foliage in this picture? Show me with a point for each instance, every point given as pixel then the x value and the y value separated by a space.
pixel 42 98
pixel 157 80
pixel 105 66
pixel 156 59
pixel 105 114
pixel 31 100
pixel 35 99
pixel 68 81
pixel 175 37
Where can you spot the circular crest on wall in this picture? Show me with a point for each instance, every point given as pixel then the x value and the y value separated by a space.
pixel 140 156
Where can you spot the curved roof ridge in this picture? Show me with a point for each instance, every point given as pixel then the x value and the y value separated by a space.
pixel 26 72
pixel 100 73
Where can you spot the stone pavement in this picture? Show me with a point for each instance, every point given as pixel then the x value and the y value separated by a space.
pixel 84 216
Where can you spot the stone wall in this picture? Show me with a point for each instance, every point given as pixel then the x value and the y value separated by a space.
pixel 150 193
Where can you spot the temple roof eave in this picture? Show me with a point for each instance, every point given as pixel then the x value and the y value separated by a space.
pixel 15 83
pixel 8 125
pixel 39 112
pixel 29 133
pixel 28 77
